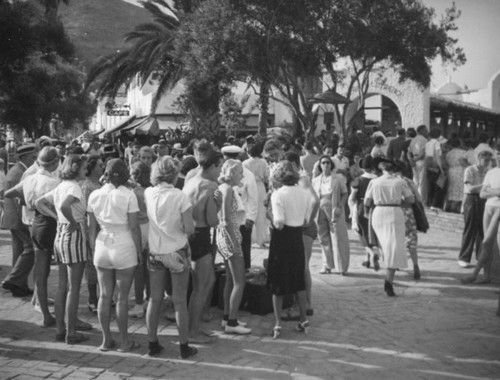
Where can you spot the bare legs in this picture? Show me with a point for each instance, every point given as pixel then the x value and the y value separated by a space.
pixel 235 284
pixel 108 279
pixel 68 296
pixel 203 280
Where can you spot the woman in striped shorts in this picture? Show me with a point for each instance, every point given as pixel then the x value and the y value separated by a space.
pixel 70 246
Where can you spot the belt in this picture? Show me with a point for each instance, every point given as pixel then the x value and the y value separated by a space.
pixel 388 205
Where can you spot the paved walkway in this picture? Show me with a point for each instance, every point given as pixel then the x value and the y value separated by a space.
pixel 436 328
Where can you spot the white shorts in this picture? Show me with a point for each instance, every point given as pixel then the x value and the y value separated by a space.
pixel 115 250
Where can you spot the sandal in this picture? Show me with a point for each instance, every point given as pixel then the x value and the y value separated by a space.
pixel 104 348
pixel 276 332
pixel 82 326
pixel 131 347
pixel 77 338
pixel 302 327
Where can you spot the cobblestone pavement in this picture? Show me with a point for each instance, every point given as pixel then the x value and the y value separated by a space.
pixel 436 328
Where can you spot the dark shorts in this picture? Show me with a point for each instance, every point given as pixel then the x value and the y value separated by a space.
pixel 200 243
pixel 43 232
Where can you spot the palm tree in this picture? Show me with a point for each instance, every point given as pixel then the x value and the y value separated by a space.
pixel 162 47
pixel 51 8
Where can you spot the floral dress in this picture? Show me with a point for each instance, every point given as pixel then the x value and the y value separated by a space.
pixel 455 159
pixel 224 242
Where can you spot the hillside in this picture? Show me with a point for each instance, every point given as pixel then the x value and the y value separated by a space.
pixel 97 27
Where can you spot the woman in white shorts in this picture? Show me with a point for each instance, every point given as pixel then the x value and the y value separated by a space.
pixel 116 248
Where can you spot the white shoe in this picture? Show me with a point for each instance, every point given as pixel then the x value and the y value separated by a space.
pixel 239 330
pixel 223 323
pixel 137 311
pixel 463 264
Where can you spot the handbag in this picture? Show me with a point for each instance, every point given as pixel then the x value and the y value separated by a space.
pixel 420 217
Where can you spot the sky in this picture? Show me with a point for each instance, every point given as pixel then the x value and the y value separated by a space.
pixel 478 34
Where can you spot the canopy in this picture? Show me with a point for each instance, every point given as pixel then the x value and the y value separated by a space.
pixel 147 126
pixel 329 97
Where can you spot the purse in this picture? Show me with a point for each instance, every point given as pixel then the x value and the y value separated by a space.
pixel 420 217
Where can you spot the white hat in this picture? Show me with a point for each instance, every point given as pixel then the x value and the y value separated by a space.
pixel 231 149
pixel 85 146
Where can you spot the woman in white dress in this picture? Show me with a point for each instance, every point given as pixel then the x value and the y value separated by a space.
pixel 258 166
pixel 386 193
pixel 332 227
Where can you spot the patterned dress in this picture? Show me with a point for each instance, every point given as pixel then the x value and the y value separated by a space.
pixel 224 242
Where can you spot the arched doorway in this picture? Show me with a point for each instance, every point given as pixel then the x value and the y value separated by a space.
pixel 378 110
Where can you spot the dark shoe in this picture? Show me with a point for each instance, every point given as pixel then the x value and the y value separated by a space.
pixel 309 312
pixel 77 338
pixel 376 265
pixel 187 351
pixel 389 289
pixel 366 263
pixel 416 272
pixel 154 348
pixel 16 290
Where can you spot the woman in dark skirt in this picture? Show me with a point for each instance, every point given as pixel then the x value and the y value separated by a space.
pixel 286 265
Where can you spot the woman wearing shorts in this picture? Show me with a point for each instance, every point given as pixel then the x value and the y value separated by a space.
pixel 170 223
pixel 116 249
pixel 229 245
pixel 71 245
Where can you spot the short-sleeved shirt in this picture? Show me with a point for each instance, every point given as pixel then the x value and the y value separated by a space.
pixel 33 187
pixel 165 205
pixel 387 190
pixel 291 206
pixel 492 179
pixel 61 192
pixel 474 176
pixel 111 205
pixel 417 145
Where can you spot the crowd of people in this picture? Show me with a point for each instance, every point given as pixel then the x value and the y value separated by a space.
pixel 155 217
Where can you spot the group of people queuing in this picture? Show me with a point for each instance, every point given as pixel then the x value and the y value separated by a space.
pixel 156 218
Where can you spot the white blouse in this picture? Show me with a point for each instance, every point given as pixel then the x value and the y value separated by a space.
pixel 291 206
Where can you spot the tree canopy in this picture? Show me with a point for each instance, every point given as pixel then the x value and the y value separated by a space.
pixel 38 79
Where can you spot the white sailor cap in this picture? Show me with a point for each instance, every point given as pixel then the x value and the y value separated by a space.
pixel 231 149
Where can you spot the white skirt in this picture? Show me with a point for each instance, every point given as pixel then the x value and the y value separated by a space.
pixel 389 225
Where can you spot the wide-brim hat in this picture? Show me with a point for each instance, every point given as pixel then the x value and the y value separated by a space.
pixel 231 149
pixel 26 148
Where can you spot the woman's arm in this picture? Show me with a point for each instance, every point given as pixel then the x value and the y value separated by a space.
pixel 187 221
pixel 68 212
pixel 92 230
pixel 489 192
pixel 133 224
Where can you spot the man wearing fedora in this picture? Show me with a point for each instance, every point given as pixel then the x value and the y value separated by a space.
pixel 22 245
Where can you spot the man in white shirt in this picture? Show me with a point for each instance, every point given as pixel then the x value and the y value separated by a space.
pixel 435 171
pixel 483 145
pixel 248 193
pixel 417 160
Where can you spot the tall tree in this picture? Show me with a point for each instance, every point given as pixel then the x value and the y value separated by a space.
pixel 38 80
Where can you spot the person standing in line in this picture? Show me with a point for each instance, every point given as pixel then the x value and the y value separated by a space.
pixel 290 205
pixel 201 190
pixel 473 208
pixel 435 170
pixel 229 245
pixel 386 193
pixel 170 223
pixel 71 244
pixel 456 160
pixel 258 166
pixel 95 170
pixel 43 230
pixel 248 193
pixel 141 174
pixel 117 249
pixel 397 145
pixel 331 189
pixel 22 246
pixel 417 161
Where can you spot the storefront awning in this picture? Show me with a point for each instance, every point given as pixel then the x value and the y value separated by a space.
pixel 148 126
pixel 118 127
